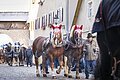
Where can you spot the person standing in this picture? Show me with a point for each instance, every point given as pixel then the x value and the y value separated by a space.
pixel 107 26
pixel 29 56
pixel 90 55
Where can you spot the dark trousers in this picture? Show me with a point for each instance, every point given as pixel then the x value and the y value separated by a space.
pixel 109 42
pixel 46 66
pixel 56 63
pixel 29 60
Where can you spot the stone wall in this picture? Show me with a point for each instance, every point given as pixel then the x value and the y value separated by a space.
pixel 23 36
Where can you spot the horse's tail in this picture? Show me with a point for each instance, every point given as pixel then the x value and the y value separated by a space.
pixel 34 46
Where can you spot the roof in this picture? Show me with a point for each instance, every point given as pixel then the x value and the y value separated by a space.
pixel 13 16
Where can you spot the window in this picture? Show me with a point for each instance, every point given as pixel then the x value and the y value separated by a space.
pixel 38 21
pixel 44 22
pixel 50 18
pixel 60 14
pixel 36 25
pixel 89 9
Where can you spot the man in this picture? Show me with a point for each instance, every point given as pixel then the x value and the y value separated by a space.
pixel 107 26
pixel 29 56
pixel 90 55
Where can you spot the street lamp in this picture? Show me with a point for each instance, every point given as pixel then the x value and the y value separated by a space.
pixel 41 2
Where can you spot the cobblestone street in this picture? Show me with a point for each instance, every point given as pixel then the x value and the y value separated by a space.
pixel 28 73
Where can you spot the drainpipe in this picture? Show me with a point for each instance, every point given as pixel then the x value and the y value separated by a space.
pixel 67 18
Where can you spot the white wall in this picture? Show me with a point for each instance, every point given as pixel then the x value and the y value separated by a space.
pixel 83 15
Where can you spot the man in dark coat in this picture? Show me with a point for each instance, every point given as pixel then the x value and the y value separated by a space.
pixel 29 56
pixel 107 26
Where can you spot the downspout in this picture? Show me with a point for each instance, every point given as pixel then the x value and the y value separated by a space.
pixel 79 3
pixel 67 18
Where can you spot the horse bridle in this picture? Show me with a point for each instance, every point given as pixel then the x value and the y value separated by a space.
pixel 78 39
pixel 56 38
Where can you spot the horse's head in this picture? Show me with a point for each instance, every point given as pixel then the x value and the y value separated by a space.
pixel 4 48
pixel 57 35
pixel 17 47
pixel 77 34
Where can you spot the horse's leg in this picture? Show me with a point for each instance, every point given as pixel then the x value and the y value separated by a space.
pixel 77 68
pixel 10 61
pixel 60 59
pixel 52 66
pixel 37 70
pixel 65 66
pixel 16 60
pixel 44 65
pixel 69 63
pixel 19 58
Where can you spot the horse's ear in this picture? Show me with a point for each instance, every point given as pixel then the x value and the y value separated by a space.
pixel 81 27
pixel 52 26
pixel 75 27
pixel 60 26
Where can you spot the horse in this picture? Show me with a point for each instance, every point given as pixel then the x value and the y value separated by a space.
pixel 22 56
pixel 8 52
pixel 74 50
pixel 17 52
pixel 48 49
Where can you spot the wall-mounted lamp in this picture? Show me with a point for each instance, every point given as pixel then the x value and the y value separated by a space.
pixel 41 2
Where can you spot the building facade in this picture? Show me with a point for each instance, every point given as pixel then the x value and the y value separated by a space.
pixel 70 12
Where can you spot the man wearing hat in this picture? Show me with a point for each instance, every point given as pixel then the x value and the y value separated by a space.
pixel 90 55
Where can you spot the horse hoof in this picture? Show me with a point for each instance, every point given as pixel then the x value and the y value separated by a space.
pixel 44 75
pixel 54 77
pixel 21 65
pixel 58 72
pixel 38 75
pixel 69 76
pixel 77 77
pixel 66 75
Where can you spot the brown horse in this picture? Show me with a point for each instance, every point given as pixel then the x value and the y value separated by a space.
pixel 74 51
pixel 46 48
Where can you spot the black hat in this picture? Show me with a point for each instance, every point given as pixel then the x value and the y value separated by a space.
pixel 90 35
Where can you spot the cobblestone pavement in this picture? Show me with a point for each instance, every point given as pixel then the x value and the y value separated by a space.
pixel 28 73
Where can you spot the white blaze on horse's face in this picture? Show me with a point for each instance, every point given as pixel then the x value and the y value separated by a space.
pixel 57 33
pixel 78 32
pixel 17 47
